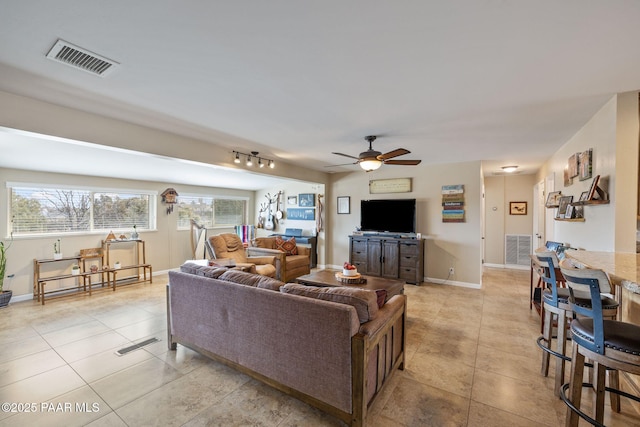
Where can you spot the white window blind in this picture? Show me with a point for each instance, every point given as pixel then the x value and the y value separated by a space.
pixel 47 210
pixel 211 211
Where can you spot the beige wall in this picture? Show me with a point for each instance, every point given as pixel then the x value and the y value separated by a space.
pixel 499 192
pixel 612 133
pixel 447 244
pixel 166 247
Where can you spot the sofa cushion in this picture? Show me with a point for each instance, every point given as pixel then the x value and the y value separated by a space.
pixel 240 277
pixel 202 270
pixel 249 279
pixel 266 282
pixel 363 300
pixel 287 246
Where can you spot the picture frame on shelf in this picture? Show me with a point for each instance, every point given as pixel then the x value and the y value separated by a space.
pixel 562 206
pixel 552 199
pixel 593 188
pixel 583 196
pixel 344 205
pixel 579 212
pixel 517 208
pixel 570 213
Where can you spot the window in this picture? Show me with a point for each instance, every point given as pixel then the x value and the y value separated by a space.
pixel 36 209
pixel 211 211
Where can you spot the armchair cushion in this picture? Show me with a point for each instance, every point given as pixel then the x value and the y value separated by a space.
pixel 229 245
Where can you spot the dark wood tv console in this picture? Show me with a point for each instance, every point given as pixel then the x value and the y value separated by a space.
pixel 390 257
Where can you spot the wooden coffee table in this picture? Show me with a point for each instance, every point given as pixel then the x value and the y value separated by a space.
pixel 328 278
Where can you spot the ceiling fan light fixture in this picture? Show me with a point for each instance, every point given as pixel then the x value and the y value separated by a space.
pixel 509 169
pixel 370 164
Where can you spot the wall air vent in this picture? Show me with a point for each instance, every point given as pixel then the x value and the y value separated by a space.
pixel 80 58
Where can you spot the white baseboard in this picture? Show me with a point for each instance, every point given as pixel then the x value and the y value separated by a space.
pixel 453 283
pixel 509 266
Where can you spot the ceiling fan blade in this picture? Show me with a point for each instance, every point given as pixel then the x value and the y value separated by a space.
pixel 395 153
pixel 346 155
pixel 402 162
pixel 343 164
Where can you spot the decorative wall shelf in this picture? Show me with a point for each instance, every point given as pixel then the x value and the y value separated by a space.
pixel 590 202
pixel 570 219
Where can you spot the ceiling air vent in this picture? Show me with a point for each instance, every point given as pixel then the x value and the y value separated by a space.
pixel 80 58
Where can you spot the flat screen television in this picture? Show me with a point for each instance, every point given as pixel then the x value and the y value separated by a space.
pixel 388 215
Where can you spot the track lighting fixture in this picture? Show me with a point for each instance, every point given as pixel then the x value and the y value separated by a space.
pixel 251 157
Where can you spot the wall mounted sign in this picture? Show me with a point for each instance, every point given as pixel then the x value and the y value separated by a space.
pixel 394 185
pixel 302 214
pixel 453 203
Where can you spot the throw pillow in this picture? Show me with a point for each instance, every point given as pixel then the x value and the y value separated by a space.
pixel 287 246
pixel 364 300
pixel 382 297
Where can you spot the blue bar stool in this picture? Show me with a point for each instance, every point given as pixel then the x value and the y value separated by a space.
pixel 555 306
pixel 608 344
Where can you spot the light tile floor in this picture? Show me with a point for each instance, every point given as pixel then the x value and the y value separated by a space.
pixel 471 361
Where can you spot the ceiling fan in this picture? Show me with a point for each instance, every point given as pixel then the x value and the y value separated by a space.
pixel 371 159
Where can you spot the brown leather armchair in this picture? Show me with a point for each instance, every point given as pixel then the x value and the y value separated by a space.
pixel 288 267
pixel 229 246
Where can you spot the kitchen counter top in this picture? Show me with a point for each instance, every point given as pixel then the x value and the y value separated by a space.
pixel 623 268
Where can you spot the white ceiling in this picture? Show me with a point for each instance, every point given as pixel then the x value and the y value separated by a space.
pixel 506 82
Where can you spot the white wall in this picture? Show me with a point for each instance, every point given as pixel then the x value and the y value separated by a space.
pixel 612 132
pixel 447 244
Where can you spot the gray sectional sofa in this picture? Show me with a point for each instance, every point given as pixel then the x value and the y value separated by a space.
pixel 327 354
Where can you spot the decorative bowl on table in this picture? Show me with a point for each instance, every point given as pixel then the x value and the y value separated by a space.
pixel 349 273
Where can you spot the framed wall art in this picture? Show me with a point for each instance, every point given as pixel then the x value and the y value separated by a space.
pixel 344 204
pixel 306 200
pixel 573 165
pixel 292 200
pixel 567 179
pixel 301 214
pixel 584 165
pixel 517 208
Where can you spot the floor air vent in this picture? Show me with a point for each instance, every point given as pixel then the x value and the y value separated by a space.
pixel 517 248
pixel 80 58
pixel 131 348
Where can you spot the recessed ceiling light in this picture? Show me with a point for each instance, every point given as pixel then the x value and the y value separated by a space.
pixel 509 168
